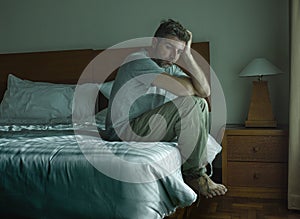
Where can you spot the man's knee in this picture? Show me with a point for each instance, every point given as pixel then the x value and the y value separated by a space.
pixel 192 101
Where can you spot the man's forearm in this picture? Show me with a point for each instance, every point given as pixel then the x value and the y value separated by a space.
pixel 197 76
pixel 180 86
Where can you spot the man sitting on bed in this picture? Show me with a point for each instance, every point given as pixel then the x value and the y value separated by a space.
pixel 140 89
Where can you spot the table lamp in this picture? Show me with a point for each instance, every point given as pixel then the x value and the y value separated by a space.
pixel 260 112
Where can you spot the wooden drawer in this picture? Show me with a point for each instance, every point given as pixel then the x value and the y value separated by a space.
pixel 254 162
pixel 255 174
pixel 257 148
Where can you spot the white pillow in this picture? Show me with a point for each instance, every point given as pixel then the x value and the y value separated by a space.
pixel 106 87
pixel 100 118
pixel 84 102
pixel 26 99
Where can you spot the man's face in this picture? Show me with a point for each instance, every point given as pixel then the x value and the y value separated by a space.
pixel 167 50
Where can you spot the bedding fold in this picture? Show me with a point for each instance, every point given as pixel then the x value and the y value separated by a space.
pixel 46 173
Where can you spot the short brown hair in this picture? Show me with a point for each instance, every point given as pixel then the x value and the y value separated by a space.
pixel 172 28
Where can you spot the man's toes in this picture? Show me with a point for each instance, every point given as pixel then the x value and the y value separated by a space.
pixel 218 189
pixel 222 189
pixel 218 192
pixel 212 193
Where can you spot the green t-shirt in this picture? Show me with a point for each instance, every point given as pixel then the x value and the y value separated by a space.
pixel 133 93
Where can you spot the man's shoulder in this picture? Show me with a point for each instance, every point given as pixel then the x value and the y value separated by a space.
pixel 142 54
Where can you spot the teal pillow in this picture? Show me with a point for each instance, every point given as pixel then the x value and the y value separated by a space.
pixel 106 87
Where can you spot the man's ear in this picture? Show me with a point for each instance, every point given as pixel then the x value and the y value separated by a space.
pixel 154 42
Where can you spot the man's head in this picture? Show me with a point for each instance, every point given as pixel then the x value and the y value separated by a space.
pixel 169 42
pixel 171 28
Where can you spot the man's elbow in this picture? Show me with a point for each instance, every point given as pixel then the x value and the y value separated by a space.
pixel 207 92
pixel 203 92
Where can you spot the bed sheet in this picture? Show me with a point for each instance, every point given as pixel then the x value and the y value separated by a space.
pixel 45 172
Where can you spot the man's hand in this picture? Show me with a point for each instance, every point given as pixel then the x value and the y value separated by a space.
pixel 187 50
pixel 195 84
pixel 198 79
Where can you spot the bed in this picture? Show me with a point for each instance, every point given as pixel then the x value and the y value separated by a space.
pixel 53 162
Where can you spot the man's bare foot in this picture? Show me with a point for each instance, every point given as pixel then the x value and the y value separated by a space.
pixel 209 188
pixel 206 187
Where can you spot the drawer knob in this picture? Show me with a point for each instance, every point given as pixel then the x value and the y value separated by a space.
pixel 255 176
pixel 255 149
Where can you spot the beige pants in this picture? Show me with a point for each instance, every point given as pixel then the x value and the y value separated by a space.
pixel 184 120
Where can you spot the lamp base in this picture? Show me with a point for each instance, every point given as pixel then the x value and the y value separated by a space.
pixel 260 111
pixel 262 123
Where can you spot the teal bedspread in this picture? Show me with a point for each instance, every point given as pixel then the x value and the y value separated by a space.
pixel 50 171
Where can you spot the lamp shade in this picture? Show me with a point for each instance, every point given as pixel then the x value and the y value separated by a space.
pixel 260 67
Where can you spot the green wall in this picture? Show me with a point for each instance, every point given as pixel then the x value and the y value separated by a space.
pixel 238 31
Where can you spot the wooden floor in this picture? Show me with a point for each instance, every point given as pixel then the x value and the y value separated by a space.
pixel 224 207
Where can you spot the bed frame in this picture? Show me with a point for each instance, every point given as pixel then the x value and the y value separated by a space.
pixel 66 67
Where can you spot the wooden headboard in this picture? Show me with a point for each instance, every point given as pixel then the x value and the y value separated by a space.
pixel 66 67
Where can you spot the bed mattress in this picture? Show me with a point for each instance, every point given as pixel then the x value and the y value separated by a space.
pixel 62 170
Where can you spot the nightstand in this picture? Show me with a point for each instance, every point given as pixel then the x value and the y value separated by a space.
pixel 254 162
